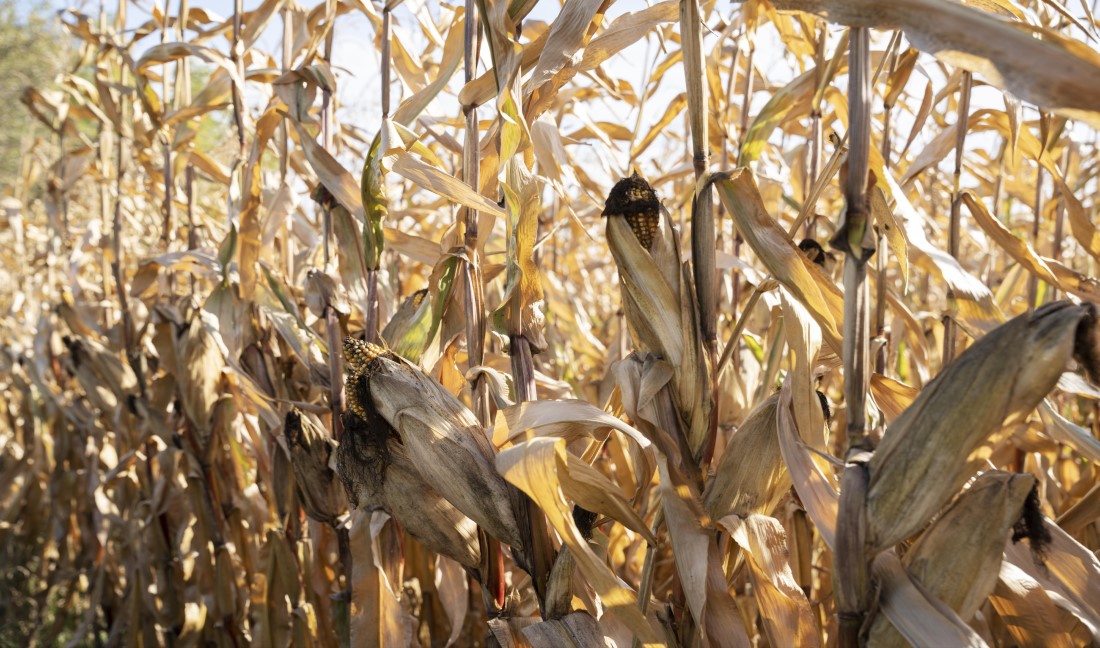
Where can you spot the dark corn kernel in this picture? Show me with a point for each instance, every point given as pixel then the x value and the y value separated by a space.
pixel 633 199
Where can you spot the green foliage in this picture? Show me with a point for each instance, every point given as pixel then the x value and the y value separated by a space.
pixel 32 52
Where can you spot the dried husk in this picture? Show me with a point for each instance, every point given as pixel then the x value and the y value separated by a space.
pixel 323 292
pixel 104 376
pixel 378 472
pixel 311 450
pixel 578 629
pixel 405 317
pixel 922 460
pixel 200 369
pixel 658 299
pixel 559 585
pixel 957 560
pixel 443 438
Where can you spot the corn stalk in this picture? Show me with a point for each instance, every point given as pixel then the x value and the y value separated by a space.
pixel 853 237
pixel 950 331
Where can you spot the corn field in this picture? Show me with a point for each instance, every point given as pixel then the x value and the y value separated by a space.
pixel 589 323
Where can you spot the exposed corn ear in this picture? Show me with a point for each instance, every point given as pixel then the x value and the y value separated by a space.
pixel 922 460
pixel 658 300
pixel 442 437
pixel 635 201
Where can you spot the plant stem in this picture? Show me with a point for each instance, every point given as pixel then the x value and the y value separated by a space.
pixel 335 359
pixel 285 228
pixel 851 564
pixel 1060 216
pixel 950 328
pixel 882 348
pixel 475 306
pixel 703 236
pixel 235 174
pixel 1037 214
pixel 816 138
pixel 372 323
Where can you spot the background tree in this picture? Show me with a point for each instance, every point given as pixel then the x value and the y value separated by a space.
pixel 32 51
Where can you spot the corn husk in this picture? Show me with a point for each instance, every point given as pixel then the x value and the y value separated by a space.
pixel 922 460
pixel 378 472
pixel 103 375
pixel 442 438
pixel 200 368
pixel 311 450
pixel 323 292
pixel 658 300
pixel 577 629
pixel 957 560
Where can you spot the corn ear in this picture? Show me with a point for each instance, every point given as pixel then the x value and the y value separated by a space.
pixel 576 629
pixel 102 374
pixel 637 203
pixel 378 472
pixel 957 560
pixel 658 298
pixel 443 439
pixel 310 452
pixel 200 368
pixel 922 460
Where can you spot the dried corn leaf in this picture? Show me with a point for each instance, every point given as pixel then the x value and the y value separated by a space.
pixel 1065 431
pixel 534 467
pixel 1022 599
pixel 976 299
pixel 698 565
pixel 1037 64
pixel 921 619
pixel 377 619
pixel 892 396
pixel 803 278
pixel 1070 573
pixel 442 184
pixel 750 477
pixel 783 605
pixel 1018 249
pixel 814 488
